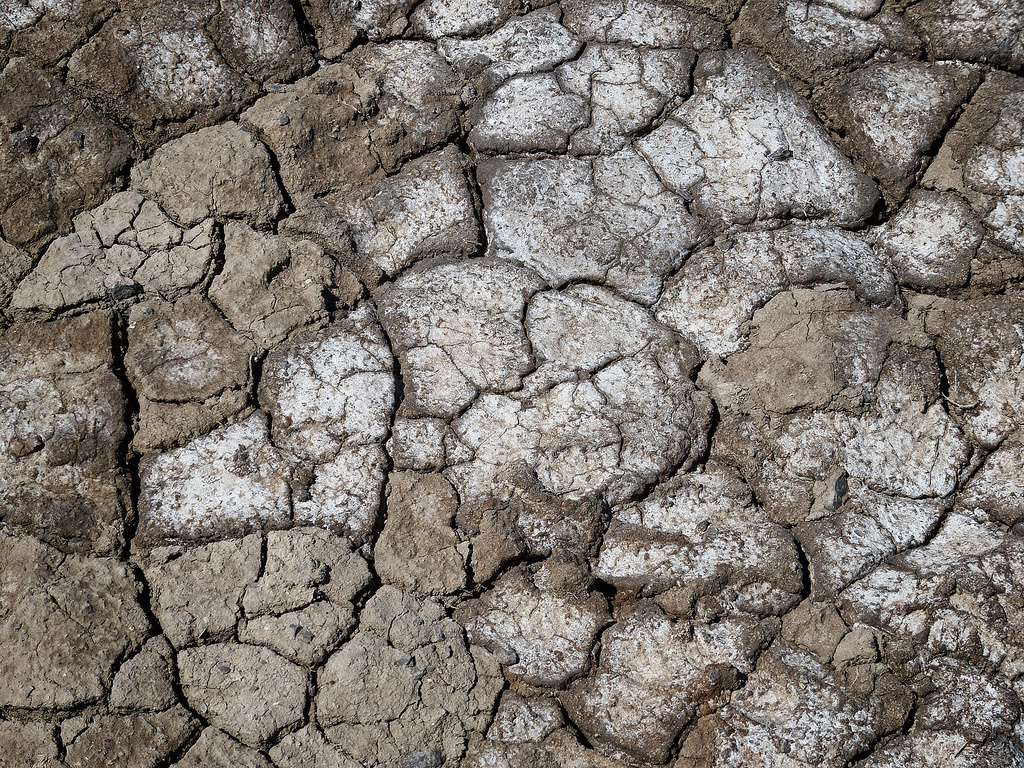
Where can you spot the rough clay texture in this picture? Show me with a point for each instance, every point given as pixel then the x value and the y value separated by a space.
pixel 513 384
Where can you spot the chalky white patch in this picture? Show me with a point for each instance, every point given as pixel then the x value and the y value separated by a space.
pixel 231 478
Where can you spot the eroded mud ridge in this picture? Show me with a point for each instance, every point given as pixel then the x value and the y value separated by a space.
pixel 510 384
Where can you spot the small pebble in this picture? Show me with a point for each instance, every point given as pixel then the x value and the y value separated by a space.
pixel 423 758
pixel 25 142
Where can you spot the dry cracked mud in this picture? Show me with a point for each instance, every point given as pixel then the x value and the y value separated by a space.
pixel 512 383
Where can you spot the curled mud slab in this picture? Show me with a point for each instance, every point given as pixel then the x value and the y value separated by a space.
pixel 512 384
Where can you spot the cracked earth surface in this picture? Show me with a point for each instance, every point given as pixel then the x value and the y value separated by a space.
pixel 512 384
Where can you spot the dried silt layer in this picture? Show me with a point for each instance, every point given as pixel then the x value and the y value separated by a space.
pixel 402 384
